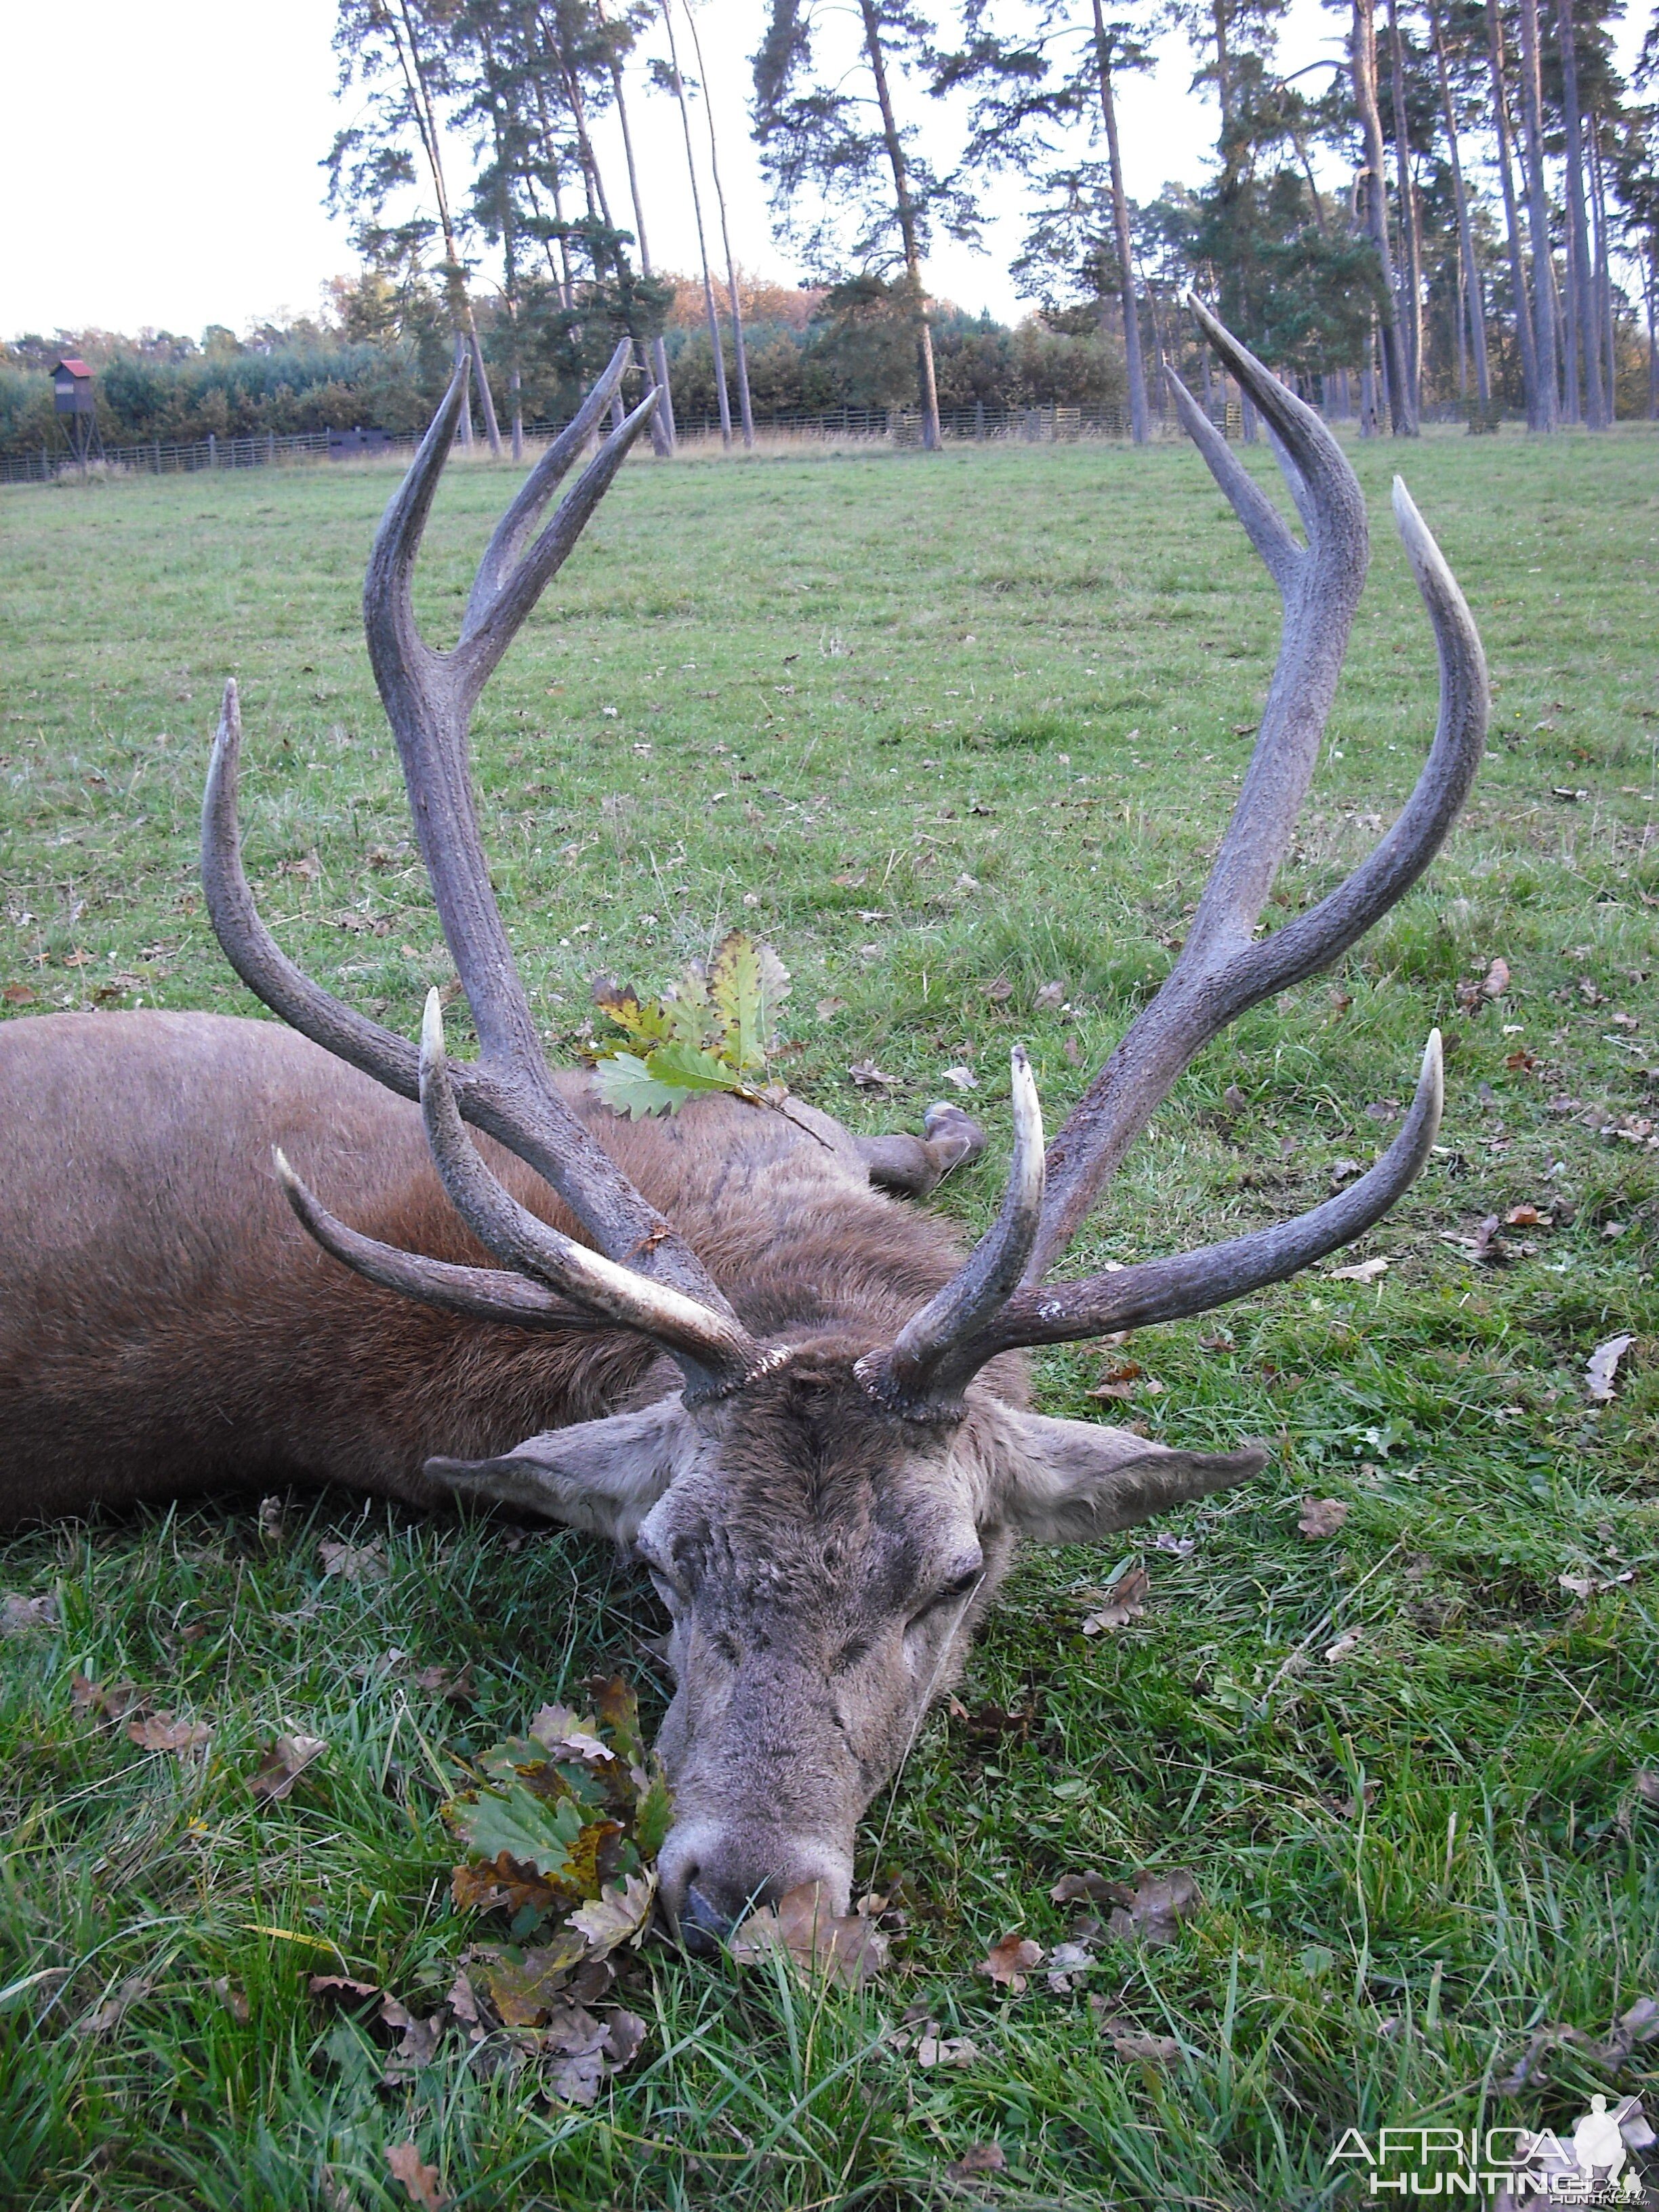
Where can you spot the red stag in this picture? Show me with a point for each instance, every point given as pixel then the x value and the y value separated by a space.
pixel 709 1337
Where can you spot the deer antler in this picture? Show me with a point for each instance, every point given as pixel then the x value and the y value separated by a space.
pixel 1222 970
pixel 644 1276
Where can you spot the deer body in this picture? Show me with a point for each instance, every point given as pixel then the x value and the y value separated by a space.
pixel 798 1404
pixel 169 1327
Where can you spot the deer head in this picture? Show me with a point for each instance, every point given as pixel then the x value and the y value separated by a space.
pixel 826 1515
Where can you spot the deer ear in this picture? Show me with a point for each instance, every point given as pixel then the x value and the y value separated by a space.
pixel 1069 1482
pixel 603 1477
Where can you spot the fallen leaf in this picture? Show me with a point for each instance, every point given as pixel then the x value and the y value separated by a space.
pixel 1066 1965
pixel 1363 1271
pixel 1152 1912
pixel 1008 1963
pixel 1233 1101
pixel 114 2006
pixel 352 1563
pixel 458 1689
pixel 272 1511
pixel 978 2158
pixel 233 2000
pixel 1125 1601
pixel 418 2042
pixel 282 1764
pixel 618 1916
pixel 1647 1785
pixel 868 1077
pixel 1344 1645
pixel 344 1989
pixel 421 2181
pixel 999 992
pixel 1343 1171
pixel 161 1732
pixel 1080 1888
pixel 827 1009
pixel 1048 996
pixel 1602 1366
pixel 18 1615
pixel 1154 2049
pixel 1496 981
pixel 526 1986
pixel 1587 1586
pixel 933 2049
pixel 849 1949
pixel 115 1701
pixel 1180 1546
pixel 964 1078
pixel 18 994
pixel 1526 1217
pixel 1322 1517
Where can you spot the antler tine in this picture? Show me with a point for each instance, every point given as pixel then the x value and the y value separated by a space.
pixel 715 1351
pixel 480 1293
pixel 1319 612
pixel 254 953
pixel 502 553
pixel 905 1375
pixel 1264 525
pixel 484 639
pixel 1196 1282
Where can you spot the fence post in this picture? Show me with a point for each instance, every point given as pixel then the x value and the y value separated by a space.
pixel 213 450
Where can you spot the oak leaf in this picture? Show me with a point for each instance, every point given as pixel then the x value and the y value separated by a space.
pixel 422 2181
pixel 1125 1601
pixel 282 1764
pixel 1322 1517
pixel 846 1948
pixel 1009 1962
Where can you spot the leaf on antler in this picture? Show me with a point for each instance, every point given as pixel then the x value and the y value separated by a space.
pixel 712 1031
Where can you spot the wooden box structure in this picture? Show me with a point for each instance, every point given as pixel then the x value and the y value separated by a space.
pixel 72 400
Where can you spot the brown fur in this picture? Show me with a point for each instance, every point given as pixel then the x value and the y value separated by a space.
pixel 168 1326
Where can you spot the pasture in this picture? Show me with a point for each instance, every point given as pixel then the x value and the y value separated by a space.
pixel 946 732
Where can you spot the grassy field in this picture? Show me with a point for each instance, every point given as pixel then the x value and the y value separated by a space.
pixel 947 730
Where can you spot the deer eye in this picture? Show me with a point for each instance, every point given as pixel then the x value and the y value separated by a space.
pixel 958 1587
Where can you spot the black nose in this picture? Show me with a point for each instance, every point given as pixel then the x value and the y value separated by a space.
pixel 705 1922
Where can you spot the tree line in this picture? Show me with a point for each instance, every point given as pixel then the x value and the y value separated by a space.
pixel 1462 209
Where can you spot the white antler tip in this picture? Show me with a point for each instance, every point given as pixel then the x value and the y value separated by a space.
pixel 433 1055
pixel 285 1167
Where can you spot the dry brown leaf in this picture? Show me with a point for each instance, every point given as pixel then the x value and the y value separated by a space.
pixel 1343 1646
pixel 112 1701
pixel 933 2049
pixel 1049 995
pixel 1647 1785
pixel 1343 1171
pixel 458 1689
pixel 234 1999
pixel 1084 1889
pixel 963 1078
pixel 1125 1601
pixel 1496 981
pixel 1322 1517
pixel 827 1009
pixel 849 1950
pixel 619 1916
pixel 352 1563
pixel 1602 1367
pixel 273 1511
pixel 18 994
pixel 161 1732
pixel 1152 1912
pixel 1008 1963
pixel 999 992
pixel 1154 2049
pixel 282 1764
pixel 1526 1216
pixel 868 1077
pixel 422 2181
pixel 343 1989
pixel 114 2006
pixel 18 1615
pixel 977 2158
pixel 1363 1271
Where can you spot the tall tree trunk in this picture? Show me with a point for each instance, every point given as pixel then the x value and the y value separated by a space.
pixel 1588 322
pixel 1652 289
pixel 1362 57
pixel 1538 218
pixel 1139 425
pixel 1524 330
pixel 662 422
pixel 1411 228
pixel 1465 229
pixel 739 348
pixel 424 110
pixel 1603 265
pixel 910 230
pixel 709 308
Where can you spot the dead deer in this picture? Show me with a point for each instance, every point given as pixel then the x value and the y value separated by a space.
pixel 708 1337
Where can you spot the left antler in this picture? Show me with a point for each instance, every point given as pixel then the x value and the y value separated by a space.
pixel 1223 969
pixel 644 1276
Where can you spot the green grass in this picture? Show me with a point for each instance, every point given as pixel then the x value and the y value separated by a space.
pixel 1003 696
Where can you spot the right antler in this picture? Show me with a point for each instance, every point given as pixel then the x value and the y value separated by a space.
pixel 643 1276
pixel 1224 968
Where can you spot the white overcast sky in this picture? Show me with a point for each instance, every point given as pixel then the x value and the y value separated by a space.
pixel 162 169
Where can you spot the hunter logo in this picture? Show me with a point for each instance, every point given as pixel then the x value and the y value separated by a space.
pixel 1512 2169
